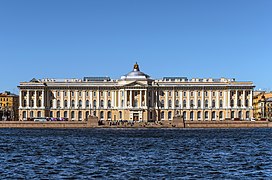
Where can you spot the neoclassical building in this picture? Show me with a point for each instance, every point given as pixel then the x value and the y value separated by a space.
pixel 138 97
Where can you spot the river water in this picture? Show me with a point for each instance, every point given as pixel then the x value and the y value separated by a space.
pixel 136 153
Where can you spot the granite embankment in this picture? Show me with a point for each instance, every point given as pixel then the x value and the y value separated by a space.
pixel 176 123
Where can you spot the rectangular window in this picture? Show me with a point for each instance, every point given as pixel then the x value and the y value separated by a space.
pixel 94 93
pixel 184 94
pixel 109 93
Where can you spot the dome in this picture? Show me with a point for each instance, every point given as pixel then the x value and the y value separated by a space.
pixel 135 73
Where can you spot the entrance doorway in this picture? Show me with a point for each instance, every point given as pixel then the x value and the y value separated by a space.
pixel 135 116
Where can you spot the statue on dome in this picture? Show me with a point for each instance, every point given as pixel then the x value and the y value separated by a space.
pixel 136 66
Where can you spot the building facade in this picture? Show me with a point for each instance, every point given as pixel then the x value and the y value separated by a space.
pixel 136 96
pixel 262 105
pixel 9 104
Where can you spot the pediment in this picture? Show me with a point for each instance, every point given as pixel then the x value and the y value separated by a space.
pixel 136 84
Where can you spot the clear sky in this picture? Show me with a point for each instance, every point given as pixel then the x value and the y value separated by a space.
pixel 192 38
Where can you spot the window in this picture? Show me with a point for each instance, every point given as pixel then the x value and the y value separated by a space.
pixel 136 103
pixel 213 103
pixel 199 103
pixel 87 104
pixel 31 103
pixel 73 103
pixel 198 93
pixel 184 104
pixel 79 93
pixel 221 93
pixel 213 115
pixel 65 114
pixel 120 114
pixel 184 94
pixel 39 114
pixel 58 114
pixel 94 103
pixel 206 115
pixel 169 115
pixel 51 103
pixel 109 93
pixel 169 93
pixel 221 115
pixel 58 103
pixel 101 115
pixel 24 103
pixel 192 93
pixel 80 115
pixel 122 103
pixel 247 114
pixel 150 115
pixel 102 103
pixel 162 115
pixel 94 93
pixel 87 93
pixel 232 114
pixel 232 103
pixel 80 103
pixel 176 93
pixel 191 104
pixel 72 115
pixel 31 114
pixel 51 114
pixel 220 103
pixel 58 93
pixel 162 103
pixel 213 93
pixel 246 103
pixel 122 93
pixel 239 103
pixel 240 114
pixel 109 115
pixel 87 114
pixel 191 115
pixel 72 93
pixel 169 103
pixel 177 103
pixel 184 115
pixel 24 114
pixel 199 115
pixel 206 93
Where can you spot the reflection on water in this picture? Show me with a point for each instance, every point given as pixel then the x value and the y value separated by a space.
pixel 135 153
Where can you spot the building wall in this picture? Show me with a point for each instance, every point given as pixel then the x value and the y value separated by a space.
pixel 9 104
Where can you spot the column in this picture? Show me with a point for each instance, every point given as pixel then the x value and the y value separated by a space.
pixel 42 99
pixel 145 98
pixel 203 100
pixel 69 100
pixel 195 99
pixel 236 99
pixel 243 99
pixel 251 99
pixel 76 99
pixel 225 102
pixel 20 99
pixel 84 100
pixel 217 99
pixel 91 99
pixel 113 99
pixel 119 98
pixel 35 99
pixel 173 99
pixel 106 99
pixel 130 98
pixel 54 100
pixel 210 98
pixel 27 98
pixel 141 99
pixel 166 100
pixel 126 98
pixel 229 98
pixel 181 99
pixel 98 100
pixel 188 99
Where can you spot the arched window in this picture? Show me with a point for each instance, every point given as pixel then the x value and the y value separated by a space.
pixel 169 115
pixel 220 103
pixel 240 114
pixel 58 103
pixel 221 115
pixel 73 103
pixel 232 115
pixel 72 115
pixel 39 114
pixel 191 104
pixel 184 115
pixel 102 103
pixel 199 103
pixel 177 103
pixel 24 114
pixel 184 104
pixel 58 114
pixel 199 115
pixel 206 115
pixel 162 115
pixel 31 114
pixel 213 103
pixel 206 103
pixel 213 115
pixel 65 114
pixel 80 115
pixel 65 104
pixel 87 103
pixel 120 114
pixel 101 115
pixel 247 115
pixel 80 103
pixel 162 103
pixel 109 103
pixel 169 103
pixel 191 115
pixel 94 103
pixel 87 114
pixel 109 115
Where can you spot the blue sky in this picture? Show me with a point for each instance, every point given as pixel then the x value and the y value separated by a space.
pixel 193 38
